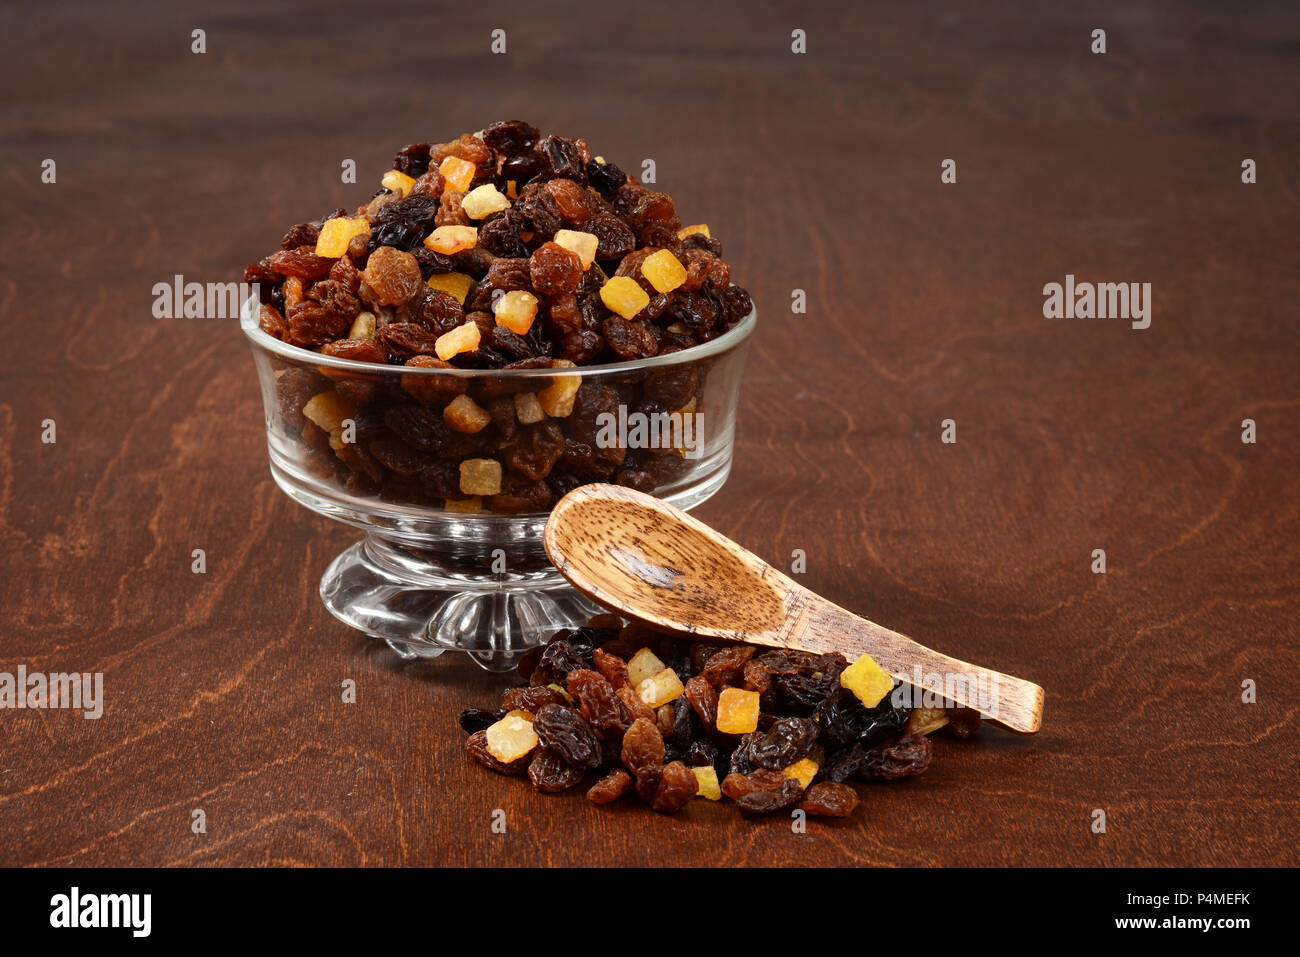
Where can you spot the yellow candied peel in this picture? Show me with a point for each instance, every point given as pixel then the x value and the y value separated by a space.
pixel 583 245
pixel 468 505
pixel 557 398
pixel 664 271
pixel 455 284
pixel 702 228
pixel 527 409
pixel 451 239
pixel 483 201
pixel 624 295
pixel 803 771
pixel 328 410
pixel 642 665
pixel 511 738
pixel 480 477
pixel 397 181
pixel 867 680
pixel 661 688
pixel 464 338
pixel 707 780
pixel 336 233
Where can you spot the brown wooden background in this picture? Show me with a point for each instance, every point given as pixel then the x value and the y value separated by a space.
pixel 819 172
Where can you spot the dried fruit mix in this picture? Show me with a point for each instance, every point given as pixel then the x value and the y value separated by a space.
pixel 634 710
pixel 503 249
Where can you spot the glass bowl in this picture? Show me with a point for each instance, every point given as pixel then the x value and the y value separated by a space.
pixel 440 567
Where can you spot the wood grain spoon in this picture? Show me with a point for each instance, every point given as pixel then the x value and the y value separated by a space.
pixel 654 563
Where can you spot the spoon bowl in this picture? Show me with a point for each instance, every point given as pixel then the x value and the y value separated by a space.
pixel 654 563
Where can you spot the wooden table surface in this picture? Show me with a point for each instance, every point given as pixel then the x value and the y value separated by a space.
pixel 819 172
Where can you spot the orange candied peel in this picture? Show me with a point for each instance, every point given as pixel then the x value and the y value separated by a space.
pixel 336 233
pixel 664 271
pixel 457 172
pixel 455 284
pixel 737 711
pixel 516 310
pixel 464 415
pixel 397 181
pixel 701 228
pixel 451 239
pixel 557 398
pixel 480 477
pixel 624 295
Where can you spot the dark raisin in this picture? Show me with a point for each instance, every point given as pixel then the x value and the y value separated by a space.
pixel 413 160
pixel 563 158
pixel 614 238
pixel 788 740
pixel 567 733
pixel 557 660
pixel 477 719
pixel 476 747
pixel 843 720
pixel 550 773
pixel 769 802
pixel 510 136
pixel 908 756
pixel 606 178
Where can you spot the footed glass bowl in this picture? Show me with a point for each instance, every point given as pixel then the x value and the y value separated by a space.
pixel 451 473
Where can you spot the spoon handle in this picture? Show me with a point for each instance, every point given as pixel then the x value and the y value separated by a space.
pixel 819 625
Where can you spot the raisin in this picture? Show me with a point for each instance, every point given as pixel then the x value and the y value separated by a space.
pixel 769 802
pixel 450 211
pixel 581 347
pixel 438 311
pixel 539 210
pixel 557 660
pixel 510 136
pixel 843 720
pixel 595 697
pixel 403 223
pixel 606 178
pixel 432 263
pixel 554 270
pixel 567 733
pixel 962 722
pixel 703 697
pixel 677 785
pixel 304 234
pixel 788 740
pixel 336 297
pixel 301 261
pixel 628 340
pixel 393 275
pixel 358 350
pixel 550 773
pixel 523 166
pixel 573 202
pixel 501 235
pixel 311 324
pixel 530 698
pixel 829 799
pixel 611 666
pixel 270 321
pixel 724 667
pixel 908 756
pixel 615 240
pixel 701 754
pixel 413 160
pixel 563 158
pixel 534 451
pixel 476 747
pixel 408 338
pixel 736 785
pixel 611 787
pixel 757 677
pixel 643 747
pixel 294 390
pixel 344 272
pixel 477 719
pixel 510 274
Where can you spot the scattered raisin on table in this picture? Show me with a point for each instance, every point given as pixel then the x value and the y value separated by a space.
pixel 581 720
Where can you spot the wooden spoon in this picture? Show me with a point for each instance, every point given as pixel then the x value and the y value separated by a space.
pixel 654 563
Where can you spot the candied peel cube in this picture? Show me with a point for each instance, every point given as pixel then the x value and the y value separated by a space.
pixel 455 284
pixel 557 398
pixel 464 338
pixel 328 410
pixel 527 409
pixel 803 771
pixel 511 738
pixel 926 720
pixel 336 233
pixel 512 189
pixel 737 711
pixel 457 172
pixel 867 680
pixel 451 239
pixel 363 326
pixel 463 414
pixel 480 477
pixel 483 201
pixel 467 505
pixel 516 310
pixel 664 271
pixel 624 295
pixel 583 245
pixel 707 780
pixel 702 228
pixel 661 688
pixel 397 181
pixel 644 664
pixel 521 715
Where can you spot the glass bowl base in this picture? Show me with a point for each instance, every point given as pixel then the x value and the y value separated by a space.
pixel 422 609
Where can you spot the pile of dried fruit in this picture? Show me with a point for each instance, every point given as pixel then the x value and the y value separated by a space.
pixel 507 250
pixel 499 248
pixel 646 712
